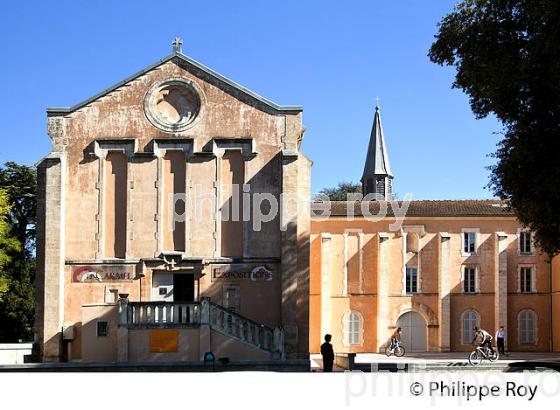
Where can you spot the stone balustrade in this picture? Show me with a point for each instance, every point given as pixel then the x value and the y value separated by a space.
pixel 233 324
pixel 141 315
pixel 162 314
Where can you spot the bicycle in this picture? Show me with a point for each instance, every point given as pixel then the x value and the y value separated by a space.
pixel 398 350
pixel 481 353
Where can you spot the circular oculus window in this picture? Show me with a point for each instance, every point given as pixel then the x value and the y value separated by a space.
pixel 172 105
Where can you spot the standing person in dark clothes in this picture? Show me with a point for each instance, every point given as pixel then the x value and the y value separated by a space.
pixel 328 354
pixel 501 339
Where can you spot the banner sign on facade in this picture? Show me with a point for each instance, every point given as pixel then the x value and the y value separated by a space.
pixel 243 272
pixel 102 273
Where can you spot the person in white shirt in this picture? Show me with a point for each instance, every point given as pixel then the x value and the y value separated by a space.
pixel 501 339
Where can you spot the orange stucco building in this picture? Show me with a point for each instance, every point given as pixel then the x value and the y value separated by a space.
pixel 434 268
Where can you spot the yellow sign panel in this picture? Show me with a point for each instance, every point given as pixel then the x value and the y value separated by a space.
pixel 163 340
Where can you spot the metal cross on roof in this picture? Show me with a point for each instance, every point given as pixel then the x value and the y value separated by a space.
pixel 377 102
pixel 177 44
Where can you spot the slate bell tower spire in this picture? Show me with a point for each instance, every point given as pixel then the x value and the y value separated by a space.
pixel 377 178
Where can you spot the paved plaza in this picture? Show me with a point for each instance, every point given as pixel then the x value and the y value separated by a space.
pixel 432 361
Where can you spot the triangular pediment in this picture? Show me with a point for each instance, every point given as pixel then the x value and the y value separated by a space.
pixel 198 69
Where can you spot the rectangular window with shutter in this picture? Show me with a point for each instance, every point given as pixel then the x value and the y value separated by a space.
pixel 525 243
pixel 469 279
pixel 469 242
pixel 527 327
pixel 526 279
pixel 411 280
pixel 352 329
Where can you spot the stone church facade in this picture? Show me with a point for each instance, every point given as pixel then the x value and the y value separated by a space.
pixel 140 253
pixel 436 270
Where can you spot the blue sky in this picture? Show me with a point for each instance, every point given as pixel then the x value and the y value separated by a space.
pixel 333 58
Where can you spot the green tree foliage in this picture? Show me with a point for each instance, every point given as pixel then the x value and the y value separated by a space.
pixel 19 184
pixel 340 192
pixel 507 59
pixel 8 244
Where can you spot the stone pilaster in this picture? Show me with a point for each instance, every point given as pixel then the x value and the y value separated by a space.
pixel 205 343
pixel 218 199
pixel 345 267
pixel 361 241
pixel 404 260
pixel 289 257
pixel 122 330
pixel 160 201
pixel 326 284
pixel 444 292
pixel 100 187
pixel 50 254
pixel 295 254
pixel 382 290
pixel 500 282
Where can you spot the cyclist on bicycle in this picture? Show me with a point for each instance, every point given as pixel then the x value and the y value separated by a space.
pixel 395 338
pixel 483 339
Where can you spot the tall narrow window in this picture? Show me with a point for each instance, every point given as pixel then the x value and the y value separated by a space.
pixel 525 243
pixel 115 205
pixel 469 242
pixel 469 321
pixel 233 177
pixel 174 183
pixel 526 279
pixel 469 279
pixel 527 322
pixel 411 280
pixel 352 328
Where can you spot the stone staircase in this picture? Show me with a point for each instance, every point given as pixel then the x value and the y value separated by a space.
pixel 245 330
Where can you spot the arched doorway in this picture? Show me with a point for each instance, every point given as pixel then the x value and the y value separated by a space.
pixel 414 332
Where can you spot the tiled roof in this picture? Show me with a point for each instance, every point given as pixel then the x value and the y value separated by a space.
pixel 447 208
